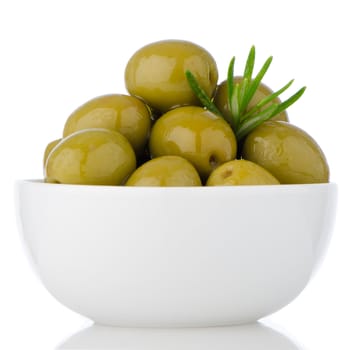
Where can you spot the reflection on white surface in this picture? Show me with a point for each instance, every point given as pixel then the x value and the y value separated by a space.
pixel 246 337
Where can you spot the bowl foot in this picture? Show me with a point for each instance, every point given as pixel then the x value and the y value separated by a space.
pixel 255 336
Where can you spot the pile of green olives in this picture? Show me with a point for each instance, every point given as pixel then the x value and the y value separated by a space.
pixel 160 133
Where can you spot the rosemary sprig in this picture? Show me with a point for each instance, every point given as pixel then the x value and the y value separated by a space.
pixel 232 94
pixel 201 94
pixel 254 83
pixel 267 99
pixel 249 124
pixel 239 95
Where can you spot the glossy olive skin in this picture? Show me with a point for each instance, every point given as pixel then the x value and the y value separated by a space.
pixel 156 73
pixel 239 172
pixel 170 171
pixel 49 148
pixel 91 157
pixel 198 135
pixel 287 152
pixel 220 100
pixel 125 114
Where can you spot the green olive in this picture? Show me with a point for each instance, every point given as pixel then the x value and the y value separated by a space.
pixel 240 172
pixel 196 134
pixel 49 148
pixel 125 114
pixel 165 171
pixel 287 152
pixel 91 157
pixel 221 101
pixel 156 73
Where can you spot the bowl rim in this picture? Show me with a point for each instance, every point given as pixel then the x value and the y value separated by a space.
pixel 116 188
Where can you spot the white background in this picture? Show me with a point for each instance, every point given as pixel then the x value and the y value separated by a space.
pixel 55 55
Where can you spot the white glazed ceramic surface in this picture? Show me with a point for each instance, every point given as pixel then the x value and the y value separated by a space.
pixel 175 257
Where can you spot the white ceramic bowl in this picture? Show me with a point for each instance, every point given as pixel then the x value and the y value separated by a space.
pixel 208 256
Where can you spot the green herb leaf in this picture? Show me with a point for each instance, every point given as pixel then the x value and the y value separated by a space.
pixel 249 66
pixel 234 105
pixel 240 94
pixel 201 94
pixel 230 85
pixel 266 100
pixel 271 97
pixel 284 105
pixel 250 124
pixel 255 83
pixel 244 86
